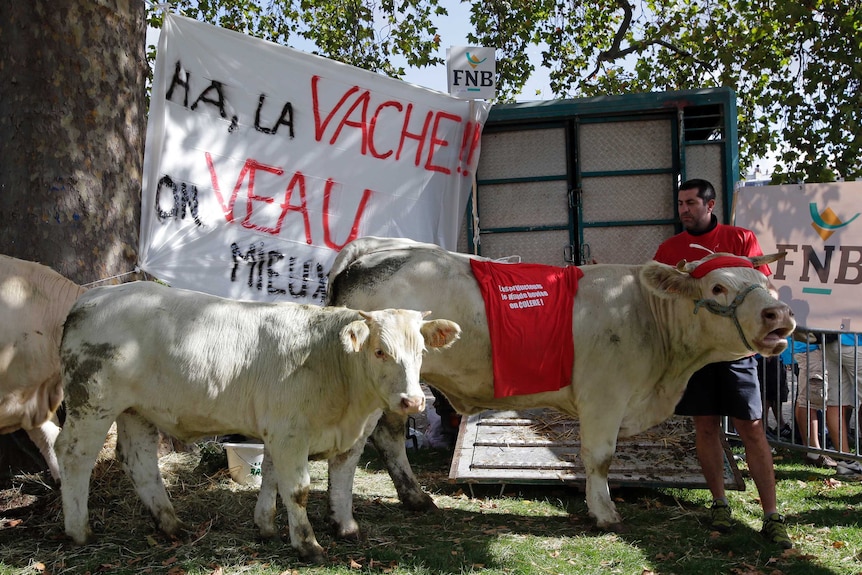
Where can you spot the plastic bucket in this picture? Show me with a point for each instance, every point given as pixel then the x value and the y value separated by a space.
pixel 244 461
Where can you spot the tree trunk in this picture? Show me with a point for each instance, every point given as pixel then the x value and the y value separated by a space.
pixel 72 117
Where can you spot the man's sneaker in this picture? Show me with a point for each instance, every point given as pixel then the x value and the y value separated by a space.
pixel 821 461
pixel 776 532
pixel 846 467
pixel 719 516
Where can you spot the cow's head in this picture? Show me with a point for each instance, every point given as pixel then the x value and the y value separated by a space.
pixel 393 341
pixel 730 287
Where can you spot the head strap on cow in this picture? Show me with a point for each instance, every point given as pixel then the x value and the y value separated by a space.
pixel 729 310
pixel 720 262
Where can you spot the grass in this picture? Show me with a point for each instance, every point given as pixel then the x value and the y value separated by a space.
pixel 519 530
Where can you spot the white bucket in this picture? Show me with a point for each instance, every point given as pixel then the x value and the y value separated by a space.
pixel 244 461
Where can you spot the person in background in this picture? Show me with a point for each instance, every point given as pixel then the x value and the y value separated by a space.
pixel 773 381
pixel 727 388
pixel 844 361
pixel 810 398
pixel 447 423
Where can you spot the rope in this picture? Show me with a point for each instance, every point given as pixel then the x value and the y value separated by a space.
pixel 729 310
pixel 118 276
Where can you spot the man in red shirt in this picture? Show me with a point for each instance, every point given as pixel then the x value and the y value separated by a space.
pixel 726 388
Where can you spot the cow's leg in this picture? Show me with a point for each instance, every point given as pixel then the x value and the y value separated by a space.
pixel 44 438
pixel 598 444
pixel 387 432
pixel 264 511
pixel 138 452
pixel 389 440
pixel 77 447
pixel 290 462
pixel 342 470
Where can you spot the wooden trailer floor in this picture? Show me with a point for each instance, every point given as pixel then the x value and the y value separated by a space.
pixel 542 446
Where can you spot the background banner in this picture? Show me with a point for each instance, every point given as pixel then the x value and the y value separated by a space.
pixel 262 161
pixel 820 228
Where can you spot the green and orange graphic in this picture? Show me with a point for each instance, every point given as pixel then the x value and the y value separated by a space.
pixel 825 223
pixel 474 61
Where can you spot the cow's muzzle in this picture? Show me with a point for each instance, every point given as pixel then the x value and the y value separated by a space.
pixel 780 318
pixel 730 310
pixel 413 404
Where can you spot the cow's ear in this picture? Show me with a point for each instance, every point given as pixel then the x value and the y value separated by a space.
pixel 440 333
pixel 666 281
pixel 354 335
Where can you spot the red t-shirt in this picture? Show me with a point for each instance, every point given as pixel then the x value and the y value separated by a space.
pixel 721 238
pixel 529 310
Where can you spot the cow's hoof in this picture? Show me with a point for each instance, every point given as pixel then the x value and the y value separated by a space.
pixel 266 526
pixel 614 528
pixel 81 538
pixel 316 556
pixel 171 526
pixel 347 532
pixel 421 502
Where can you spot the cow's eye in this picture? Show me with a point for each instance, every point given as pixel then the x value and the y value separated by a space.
pixel 379 353
pixel 718 289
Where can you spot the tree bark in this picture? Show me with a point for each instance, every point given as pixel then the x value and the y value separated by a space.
pixel 72 118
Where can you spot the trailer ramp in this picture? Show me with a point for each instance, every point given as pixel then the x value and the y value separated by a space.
pixel 542 446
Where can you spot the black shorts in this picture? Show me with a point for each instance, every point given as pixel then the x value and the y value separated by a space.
pixel 724 388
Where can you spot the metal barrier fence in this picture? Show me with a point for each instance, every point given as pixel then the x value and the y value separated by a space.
pixel 821 404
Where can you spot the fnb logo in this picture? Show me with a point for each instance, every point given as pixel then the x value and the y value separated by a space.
pixel 476 79
pixel 818 264
pixel 474 61
pixel 826 222
pixel 473 79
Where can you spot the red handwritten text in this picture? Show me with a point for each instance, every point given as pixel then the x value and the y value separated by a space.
pixel 297 181
pixel 353 112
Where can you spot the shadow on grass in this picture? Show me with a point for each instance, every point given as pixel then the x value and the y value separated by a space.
pixel 529 529
pixel 669 532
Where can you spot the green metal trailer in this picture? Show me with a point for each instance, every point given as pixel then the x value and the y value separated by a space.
pixel 568 181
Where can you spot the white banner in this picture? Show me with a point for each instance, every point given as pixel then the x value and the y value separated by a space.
pixel 820 228
pixel 262 162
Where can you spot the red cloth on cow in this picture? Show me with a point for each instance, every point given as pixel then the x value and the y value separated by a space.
pixel 529 309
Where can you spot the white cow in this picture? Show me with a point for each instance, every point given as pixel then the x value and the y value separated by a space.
pixel 639 332
pixel 304 379
pixel 34 301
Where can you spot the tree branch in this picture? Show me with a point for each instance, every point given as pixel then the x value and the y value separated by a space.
pixel 616 52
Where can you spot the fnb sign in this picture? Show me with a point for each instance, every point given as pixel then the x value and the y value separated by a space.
pixel 471 79
pixel 819 228
pixel 820 269
pixel 472 72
